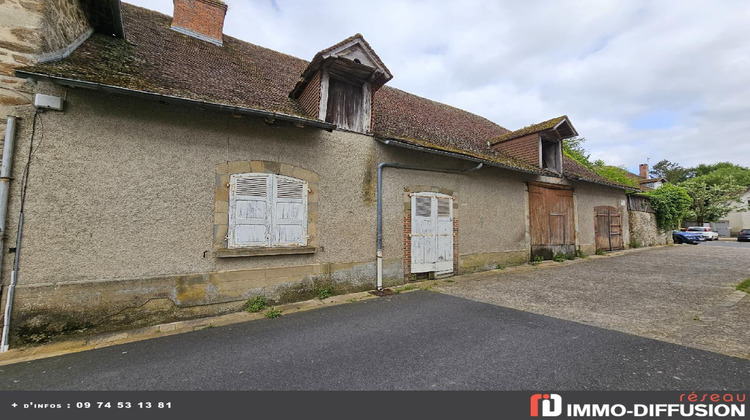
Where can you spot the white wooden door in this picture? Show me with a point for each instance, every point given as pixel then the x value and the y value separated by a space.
pixel 431 233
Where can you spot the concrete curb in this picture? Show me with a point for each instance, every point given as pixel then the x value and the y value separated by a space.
pixel 25 354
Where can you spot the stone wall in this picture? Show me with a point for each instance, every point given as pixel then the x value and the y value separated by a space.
pixel 643 230
pixel 30 31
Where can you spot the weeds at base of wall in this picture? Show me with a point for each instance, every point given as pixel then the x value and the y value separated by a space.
pixel 744 286
pixel 325 292
pixel 634 243
pixel 581 254
pixel 256 304
pixel 600 252
pixel 537 260
pixel 273 313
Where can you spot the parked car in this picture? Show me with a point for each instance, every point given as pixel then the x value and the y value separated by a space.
pixel 705 231
pixel 693 238
pixel 743 235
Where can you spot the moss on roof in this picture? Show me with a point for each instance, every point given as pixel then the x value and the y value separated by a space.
pixel 157 59
pixel 530 129
pixel 575 170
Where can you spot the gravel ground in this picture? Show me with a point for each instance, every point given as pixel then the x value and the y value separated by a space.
pixel 683 294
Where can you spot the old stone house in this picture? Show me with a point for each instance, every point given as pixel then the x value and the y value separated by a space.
pixel 169 171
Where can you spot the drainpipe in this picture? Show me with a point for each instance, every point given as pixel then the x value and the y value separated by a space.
pixel 379 257
pixel 5 172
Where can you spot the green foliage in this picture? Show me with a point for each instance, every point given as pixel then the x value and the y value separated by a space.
pixel 256 304
pixel 273 313
pixel 537 260
pixel 570 256
pixel 324 292
pixel 670 204
pixel 710 202
pixel 600 252
pixel 744 286
pixel 671 171
pixel 559 257
pixel 614 173
pixel 634 243
pixel 573 148
pixel 581 254
pixel 500 267
pixel 721 173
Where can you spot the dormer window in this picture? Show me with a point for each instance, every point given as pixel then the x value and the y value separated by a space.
pixel 551 155
pixel 538 144
pixel 338 85
pixel 346 105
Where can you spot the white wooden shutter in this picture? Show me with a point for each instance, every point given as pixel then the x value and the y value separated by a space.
pixel 289 212
pixel 423 246
pixel 444 238
pixel 431 233
pixel 250 201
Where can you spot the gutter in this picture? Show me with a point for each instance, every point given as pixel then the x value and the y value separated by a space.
pixel 398 143
pixel 272 116
pixel 381 166
pixel 5 178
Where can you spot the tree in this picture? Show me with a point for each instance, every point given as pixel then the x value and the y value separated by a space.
pixel 712 201
pixel 573 148
pixel 671 171
pixel 670 203
pixel 719 173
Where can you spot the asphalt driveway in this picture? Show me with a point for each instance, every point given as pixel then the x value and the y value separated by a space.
pixel 683 294
pixel 413 341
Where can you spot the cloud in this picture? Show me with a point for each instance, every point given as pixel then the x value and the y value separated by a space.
pixel 639 79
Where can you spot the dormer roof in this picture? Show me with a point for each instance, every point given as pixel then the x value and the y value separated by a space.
pixel 352 58
pixel 557 128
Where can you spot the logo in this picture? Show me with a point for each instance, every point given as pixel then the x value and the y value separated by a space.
pixel 551 405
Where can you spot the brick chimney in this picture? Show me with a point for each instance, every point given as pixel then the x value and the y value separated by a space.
pixel 644 170
pixel 202 19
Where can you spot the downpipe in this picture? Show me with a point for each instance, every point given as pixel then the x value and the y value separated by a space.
pixel 5 172
pixel 381 166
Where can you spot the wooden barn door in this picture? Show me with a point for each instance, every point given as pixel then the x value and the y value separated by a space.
pixel 608 228
pixel 552 220
pixel 431 233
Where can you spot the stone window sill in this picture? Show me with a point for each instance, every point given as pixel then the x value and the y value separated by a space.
pixel 256 252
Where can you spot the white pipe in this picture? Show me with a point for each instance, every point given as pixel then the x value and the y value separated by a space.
pixel 5 172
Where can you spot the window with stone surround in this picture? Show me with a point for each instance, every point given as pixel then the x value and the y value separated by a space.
pixel 265 208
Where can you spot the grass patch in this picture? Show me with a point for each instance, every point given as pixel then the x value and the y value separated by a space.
pixel 325 292
pixel 256 304
pixel 537 260
pixel 559 257
pixel 500 267
pixel 273 313
pixel 449 281
pixel 744 286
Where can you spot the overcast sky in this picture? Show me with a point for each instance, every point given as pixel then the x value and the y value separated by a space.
pixel 638 79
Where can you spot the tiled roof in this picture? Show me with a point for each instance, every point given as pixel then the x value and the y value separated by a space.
pixel 158 60
pixel 422 122
pixel 535 128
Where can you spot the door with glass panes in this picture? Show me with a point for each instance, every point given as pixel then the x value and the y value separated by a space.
pixel 431 233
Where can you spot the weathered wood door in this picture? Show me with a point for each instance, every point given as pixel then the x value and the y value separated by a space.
pixel 552 220
pixel 345 102
pixel 431 233
pixel 608 228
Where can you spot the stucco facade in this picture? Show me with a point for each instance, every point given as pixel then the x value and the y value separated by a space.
pixel 126 202
pixel 122 201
